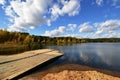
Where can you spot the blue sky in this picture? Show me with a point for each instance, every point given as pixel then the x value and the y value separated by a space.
pixel 75 18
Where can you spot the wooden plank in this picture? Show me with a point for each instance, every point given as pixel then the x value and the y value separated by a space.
pixel 4 59
pixel 18 66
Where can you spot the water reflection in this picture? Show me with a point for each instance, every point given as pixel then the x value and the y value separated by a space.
pixel 102 55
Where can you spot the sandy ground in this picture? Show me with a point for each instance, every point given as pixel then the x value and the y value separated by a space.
pixel 74 72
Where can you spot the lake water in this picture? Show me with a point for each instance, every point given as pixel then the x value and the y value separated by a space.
pixel 101 55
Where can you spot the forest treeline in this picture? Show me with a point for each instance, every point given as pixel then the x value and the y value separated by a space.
pixel 26 38
pixel 16 42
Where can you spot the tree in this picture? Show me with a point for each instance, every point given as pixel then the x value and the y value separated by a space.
pixel 27 39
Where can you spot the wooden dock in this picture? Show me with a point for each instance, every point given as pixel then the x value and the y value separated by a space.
pixel 14 65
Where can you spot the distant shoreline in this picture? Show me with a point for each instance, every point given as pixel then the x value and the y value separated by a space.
pixel 74 71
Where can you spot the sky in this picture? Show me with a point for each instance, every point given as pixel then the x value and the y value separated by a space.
pixel 56 18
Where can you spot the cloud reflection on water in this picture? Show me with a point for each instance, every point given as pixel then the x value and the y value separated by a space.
pixel 97 54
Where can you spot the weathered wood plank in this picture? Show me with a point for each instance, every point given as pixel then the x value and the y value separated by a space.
pixel 18 66
pixel 26 54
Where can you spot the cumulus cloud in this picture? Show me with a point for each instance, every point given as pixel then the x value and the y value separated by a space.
pixel 56 32
pixel 70 7
pixel 109 25
pixel 19 29
pixel 99 2
pixel 86 27
pixel 27 14
pixel 32 13
pixel 72 27
pixel 2 2
pixel 106 29
pixel 112 34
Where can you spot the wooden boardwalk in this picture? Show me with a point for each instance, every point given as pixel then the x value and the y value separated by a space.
pixel 14 65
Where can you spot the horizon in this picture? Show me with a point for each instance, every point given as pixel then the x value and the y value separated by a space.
pixel 62 18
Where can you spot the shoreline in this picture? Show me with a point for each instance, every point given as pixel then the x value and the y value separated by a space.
pixel 73 72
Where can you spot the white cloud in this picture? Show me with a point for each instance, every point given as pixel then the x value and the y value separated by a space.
pixel 107 29
pixel 99 2
pixel 2 2
pixel 9 12
pixel 25 14
pixel 86 27
pixel 56 32
pixel 112 34
pixel 109 25
pixel 71 35
pixel 72 27
pixel 19 29
pixel 71 8
pixel 55 11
